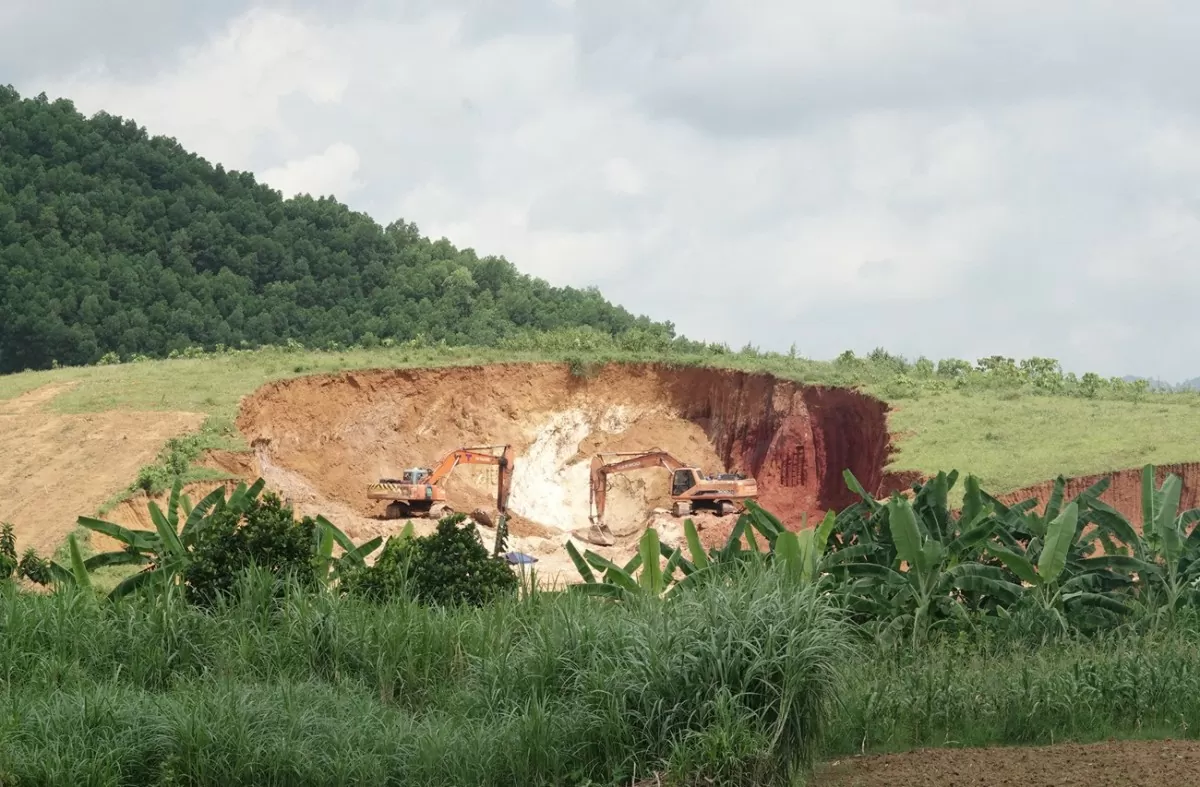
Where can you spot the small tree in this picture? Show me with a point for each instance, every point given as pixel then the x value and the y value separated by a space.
pixel 8 552
pixel 265 535
pixel 448 567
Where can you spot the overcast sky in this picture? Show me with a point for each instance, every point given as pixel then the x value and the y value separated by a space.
pixel 936 177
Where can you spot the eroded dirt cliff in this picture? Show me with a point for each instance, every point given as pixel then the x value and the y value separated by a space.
pixel 341 432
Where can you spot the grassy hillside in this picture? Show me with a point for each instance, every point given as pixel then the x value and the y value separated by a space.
pixel 1008 432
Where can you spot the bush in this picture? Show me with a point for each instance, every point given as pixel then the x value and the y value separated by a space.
pixel 448 567
pixel 35 568
pixel 267 537
pixel 8 552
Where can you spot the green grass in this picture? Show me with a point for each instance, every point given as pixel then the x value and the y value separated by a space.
pixel 1008 438
pixel 554 689
pixel 734 684
pixel 1011 442
pixel 989 690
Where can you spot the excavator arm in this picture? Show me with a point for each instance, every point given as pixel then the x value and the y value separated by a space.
pixel 465 456
pixel 480 456
pixel 598 488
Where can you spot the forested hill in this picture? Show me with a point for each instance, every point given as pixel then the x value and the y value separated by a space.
pixel 114 241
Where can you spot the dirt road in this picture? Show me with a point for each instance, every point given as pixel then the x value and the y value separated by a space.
pixel 56 467
pixel 1111 764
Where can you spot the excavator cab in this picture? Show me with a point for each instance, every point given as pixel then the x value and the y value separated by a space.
pixel 682 480
pixel 415 475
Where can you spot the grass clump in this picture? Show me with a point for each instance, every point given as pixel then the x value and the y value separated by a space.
pixel 995 688
pixel 734 683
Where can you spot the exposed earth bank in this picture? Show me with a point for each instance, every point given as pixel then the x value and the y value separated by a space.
pixel 1123 494
pixel 335 434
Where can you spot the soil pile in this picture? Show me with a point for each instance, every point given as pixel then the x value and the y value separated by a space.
pixel 341 432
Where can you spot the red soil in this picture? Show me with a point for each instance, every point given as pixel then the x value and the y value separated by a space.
pixel 341 432
pixel 1123 494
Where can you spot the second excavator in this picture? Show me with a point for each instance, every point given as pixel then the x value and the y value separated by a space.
pixel 418 492
pixel 722 493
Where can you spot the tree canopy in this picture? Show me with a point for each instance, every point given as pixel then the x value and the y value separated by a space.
pixel 115 241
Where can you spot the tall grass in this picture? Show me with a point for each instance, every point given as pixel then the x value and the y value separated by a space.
pixel 735 684
pixel 999 690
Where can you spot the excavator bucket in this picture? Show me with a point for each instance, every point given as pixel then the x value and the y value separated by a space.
pixel 599 535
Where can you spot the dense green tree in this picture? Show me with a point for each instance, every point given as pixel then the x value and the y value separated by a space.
pixel 115 241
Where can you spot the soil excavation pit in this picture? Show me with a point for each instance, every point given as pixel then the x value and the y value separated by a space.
pixel 342 432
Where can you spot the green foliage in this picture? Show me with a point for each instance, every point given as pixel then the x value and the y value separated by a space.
pixel 991 687
pixel 35 568
pixel 263 535
pixel 169 548
pixel 115 245
pixel 448 567
pixel 389 578
pixel 737 683
pixel 175 462
pixel 8 552
pixel 912 566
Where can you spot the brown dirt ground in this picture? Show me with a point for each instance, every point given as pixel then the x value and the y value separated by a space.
pixel 56 467
pixel 1111 764
pixel 325 437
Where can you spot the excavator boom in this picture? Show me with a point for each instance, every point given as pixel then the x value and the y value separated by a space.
pixel 467 456
pixel 598 486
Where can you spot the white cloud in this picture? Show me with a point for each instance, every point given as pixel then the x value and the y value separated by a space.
pixel 224 95
pixel 330 172
pixel 939 178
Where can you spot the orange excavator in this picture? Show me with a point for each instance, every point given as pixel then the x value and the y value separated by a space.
pixel 723 493
pixel 417 492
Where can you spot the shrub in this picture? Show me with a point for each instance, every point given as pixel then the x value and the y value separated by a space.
pixel 266 536
pixel 35 568
pixel 448 567
pixel 8 552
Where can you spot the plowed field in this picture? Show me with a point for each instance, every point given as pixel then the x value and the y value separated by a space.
pixel 1112 764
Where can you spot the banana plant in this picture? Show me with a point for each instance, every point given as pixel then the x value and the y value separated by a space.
pixel 622 582
pixel 1167 552
pixel 166 550
pixel 1024 528
pixel 800 555
pixel 935 570
pixel 76 574
pixel 330 570
pixel 1065 585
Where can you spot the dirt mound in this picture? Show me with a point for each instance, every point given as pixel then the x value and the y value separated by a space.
pixel 341 432
pixel 1123 494
pixel 56 467
pixel 1112 764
